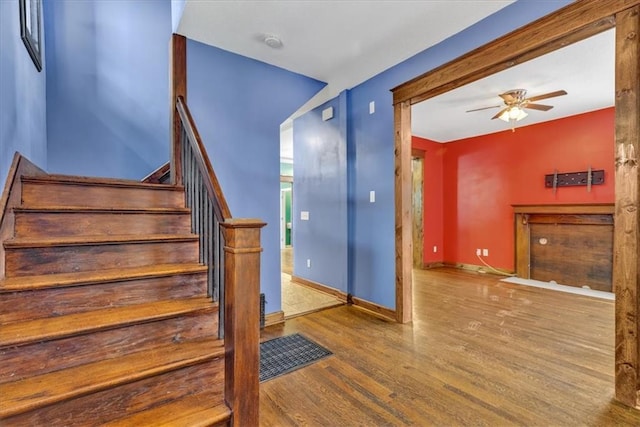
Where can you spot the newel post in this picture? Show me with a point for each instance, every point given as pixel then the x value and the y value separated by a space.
pixel 242 319
pixel 178 79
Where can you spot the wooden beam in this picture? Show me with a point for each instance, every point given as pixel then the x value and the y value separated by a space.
pixel 178 79
pixel 572 23
pixel 242 319
pixel 403 182
pixel 627 220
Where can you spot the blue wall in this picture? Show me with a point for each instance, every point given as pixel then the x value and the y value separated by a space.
pixel 320 188
pixel 370 162
pixel 107 86
pixel 238 104
pixel 23 125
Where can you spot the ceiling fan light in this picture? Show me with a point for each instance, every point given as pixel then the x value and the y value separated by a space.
pixel 513 114
pixel 521 114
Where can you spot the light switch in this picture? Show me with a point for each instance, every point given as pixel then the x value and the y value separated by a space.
pixel 372 107
pixel 372 196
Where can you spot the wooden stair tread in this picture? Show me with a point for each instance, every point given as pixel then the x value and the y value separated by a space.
pixel 42 390
pixel 49 328
pixel 192 411
pixel 44 281
pixel 89 209
pixel 109 182
pixel 42 242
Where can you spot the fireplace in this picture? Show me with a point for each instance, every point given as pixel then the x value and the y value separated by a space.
pixel 569 244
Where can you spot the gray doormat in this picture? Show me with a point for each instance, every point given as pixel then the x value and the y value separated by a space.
pixel 285 354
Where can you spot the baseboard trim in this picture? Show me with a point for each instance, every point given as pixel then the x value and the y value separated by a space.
pixel 430 265
pixel 479 269
pixel 274 318
pixel 379 310
pixel 376 309
pixel 342 296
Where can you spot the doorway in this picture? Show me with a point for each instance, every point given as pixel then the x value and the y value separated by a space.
pixel 417 191
pixel 296 298
pixel 572 23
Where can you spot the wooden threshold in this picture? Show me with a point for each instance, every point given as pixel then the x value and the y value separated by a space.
pixel 274 318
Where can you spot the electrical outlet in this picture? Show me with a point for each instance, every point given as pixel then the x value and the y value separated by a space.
pixel 485 252
pixel 478 252
pixel 435 249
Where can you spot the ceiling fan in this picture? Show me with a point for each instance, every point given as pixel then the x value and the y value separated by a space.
pixel 516 102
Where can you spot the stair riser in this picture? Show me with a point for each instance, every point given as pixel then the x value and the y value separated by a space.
pixel 35 194
pixel 68 259
pixel 39 224
pixel 17 306
pixel 97 408
pixel 50 356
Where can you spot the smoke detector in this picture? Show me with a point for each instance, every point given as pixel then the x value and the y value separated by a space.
pixel 272 41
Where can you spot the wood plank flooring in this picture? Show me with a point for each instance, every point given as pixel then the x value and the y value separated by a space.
pixel 479 352
pixel 297 299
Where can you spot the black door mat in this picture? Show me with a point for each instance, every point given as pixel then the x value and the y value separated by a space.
pixel 285 354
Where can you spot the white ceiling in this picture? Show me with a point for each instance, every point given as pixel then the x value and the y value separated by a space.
pixel 585 70
pixel 344 43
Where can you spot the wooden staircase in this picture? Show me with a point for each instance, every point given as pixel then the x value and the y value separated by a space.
pixel 104 313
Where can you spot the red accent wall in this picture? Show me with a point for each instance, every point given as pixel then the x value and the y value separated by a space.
pixel 483 176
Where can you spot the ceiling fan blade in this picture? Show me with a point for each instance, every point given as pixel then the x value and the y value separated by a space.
pixel 483 108
pixel 508 97
pixel 539 107
pixel 547 95
pixel 499 113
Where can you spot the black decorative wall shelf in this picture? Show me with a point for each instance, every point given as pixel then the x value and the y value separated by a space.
pixel 570 179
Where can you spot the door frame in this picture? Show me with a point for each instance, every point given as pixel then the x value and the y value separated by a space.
pixel 418 225
pixel 570 24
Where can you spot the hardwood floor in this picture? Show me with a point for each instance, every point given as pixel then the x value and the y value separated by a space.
pixel 297 299
pixel 286 260
pixel 479 352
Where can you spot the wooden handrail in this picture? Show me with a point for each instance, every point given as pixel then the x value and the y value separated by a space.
pixel 229 246
pixel 193 136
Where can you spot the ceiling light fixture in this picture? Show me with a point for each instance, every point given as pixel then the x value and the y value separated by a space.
pixel 272 41
pixel 513 114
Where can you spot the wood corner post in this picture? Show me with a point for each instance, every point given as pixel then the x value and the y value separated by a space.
pixel 403 216
pixel 626 271
pixel 178 82
pixel 242 319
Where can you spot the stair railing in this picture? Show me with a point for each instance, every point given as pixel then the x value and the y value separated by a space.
pixel 230 247
pixel 205 199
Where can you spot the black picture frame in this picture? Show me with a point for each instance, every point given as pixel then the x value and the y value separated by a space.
pixel 31 29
